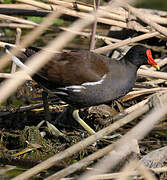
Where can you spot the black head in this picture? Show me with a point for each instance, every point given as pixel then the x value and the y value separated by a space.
pixel 140 55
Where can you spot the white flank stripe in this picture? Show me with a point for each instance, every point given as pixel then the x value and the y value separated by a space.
pixel 17 61
pixel 60 93
pixel 76 90
pixel 95 83
pixel 75 87
pixel 79 88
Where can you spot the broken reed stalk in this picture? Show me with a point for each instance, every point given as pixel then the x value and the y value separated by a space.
pixel 123 146
pixel 82 144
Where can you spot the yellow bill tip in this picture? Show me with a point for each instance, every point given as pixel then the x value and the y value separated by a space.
pixel 157 67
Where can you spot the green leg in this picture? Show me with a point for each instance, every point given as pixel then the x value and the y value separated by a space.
pixel 88 128
pixel 81 122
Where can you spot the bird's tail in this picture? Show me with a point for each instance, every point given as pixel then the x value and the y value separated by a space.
pixel 22 58
pixel 15 58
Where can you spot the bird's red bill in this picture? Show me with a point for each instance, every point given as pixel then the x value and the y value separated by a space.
pixel 150 58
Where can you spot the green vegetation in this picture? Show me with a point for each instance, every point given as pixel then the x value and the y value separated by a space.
pixel 152 4
pixel 35 19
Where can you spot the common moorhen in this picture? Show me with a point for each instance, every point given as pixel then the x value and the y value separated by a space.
pixel 84 78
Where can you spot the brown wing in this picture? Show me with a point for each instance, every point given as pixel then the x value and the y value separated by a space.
pixel 75 68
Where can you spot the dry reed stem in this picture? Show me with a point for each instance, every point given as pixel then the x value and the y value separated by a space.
pixel 15 25
pixel 133 94
pixel 18 37
pixel 117 175
pixel 82 144
pixel 3 44
pixel 145 91
pixel 37 4
pixel 87 8
pixel 160 170
pixel 80 164
pixel 83 163
pixel 135 164
pixel 9 75
pixel 89 34
pixel 80 14
pixel 144 18
pixel 127 170
pixel 162 62
pixel 136 106
pixel 16 19
pixel 145 172
pixel 18 6
pixel 93 35
pixel 152 74
pixel 119 15
pixel 123 146
pixel 31 37
pixel 126 42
